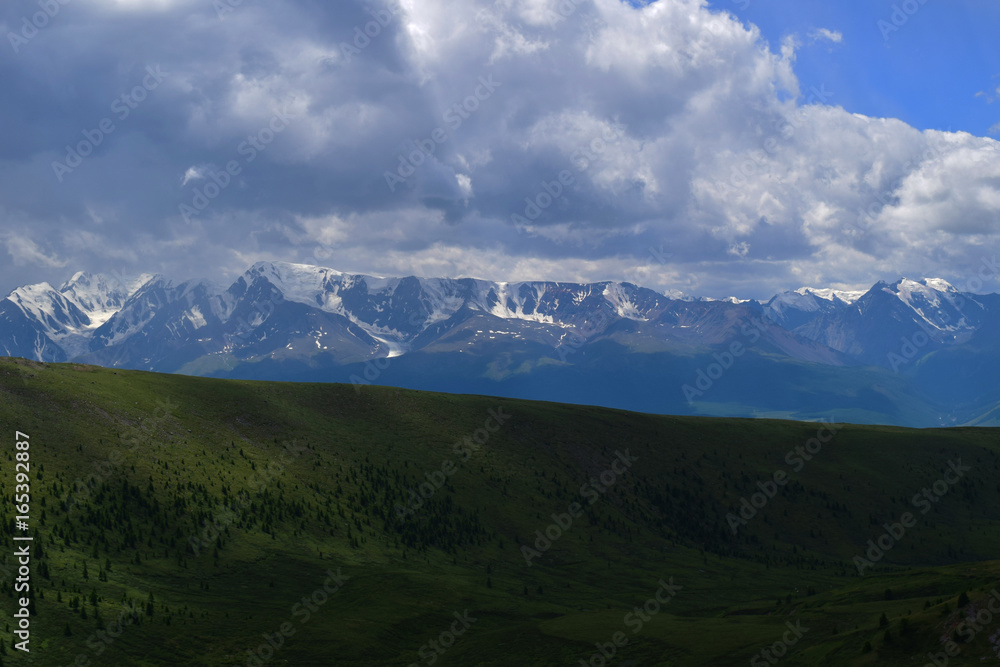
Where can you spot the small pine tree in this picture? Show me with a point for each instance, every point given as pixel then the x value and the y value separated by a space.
pixel 963 600
pixel 883 621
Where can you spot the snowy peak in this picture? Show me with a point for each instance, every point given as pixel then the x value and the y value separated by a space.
pixel 47 306
pixel 69 316
pixel 301 283
pixel 291 276
pixel 101 296
pixel 928 290
pixel 844 296
pixel 370 301
pixel 94 312
pixel 795 308
pixel 936 302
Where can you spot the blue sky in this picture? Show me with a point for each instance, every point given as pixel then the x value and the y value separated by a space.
pixel 194 138
pixel 927 72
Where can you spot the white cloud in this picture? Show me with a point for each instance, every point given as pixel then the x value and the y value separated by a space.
pixel 825 33
pixel 192 174
pixel 719 162
pixel 25 252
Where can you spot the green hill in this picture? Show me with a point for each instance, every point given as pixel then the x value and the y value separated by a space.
pixel 181 520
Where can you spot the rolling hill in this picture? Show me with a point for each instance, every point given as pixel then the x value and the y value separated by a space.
pixel 184 520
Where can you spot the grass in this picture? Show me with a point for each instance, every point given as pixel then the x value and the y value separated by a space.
pixel 216 506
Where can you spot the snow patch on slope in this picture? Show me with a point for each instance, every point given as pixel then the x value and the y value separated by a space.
pixel 617 295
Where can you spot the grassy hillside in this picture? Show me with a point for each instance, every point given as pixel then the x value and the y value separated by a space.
pixel 216 513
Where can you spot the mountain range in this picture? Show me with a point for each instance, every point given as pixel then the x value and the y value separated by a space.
pixel 912 352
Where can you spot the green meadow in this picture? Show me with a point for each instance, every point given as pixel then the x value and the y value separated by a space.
pixel 189 521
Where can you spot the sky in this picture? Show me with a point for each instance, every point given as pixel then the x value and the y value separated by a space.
pixel 739 147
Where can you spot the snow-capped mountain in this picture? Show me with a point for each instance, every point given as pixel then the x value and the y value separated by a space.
pixel 609 343
pixel 57 324
pixel 873 326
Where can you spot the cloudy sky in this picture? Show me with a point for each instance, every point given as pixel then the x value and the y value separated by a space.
pixel 737 147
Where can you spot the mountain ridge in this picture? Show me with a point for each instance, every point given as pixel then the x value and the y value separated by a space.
pixel 605 343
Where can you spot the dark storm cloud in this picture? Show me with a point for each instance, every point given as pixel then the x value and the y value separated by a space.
pixel 431 138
